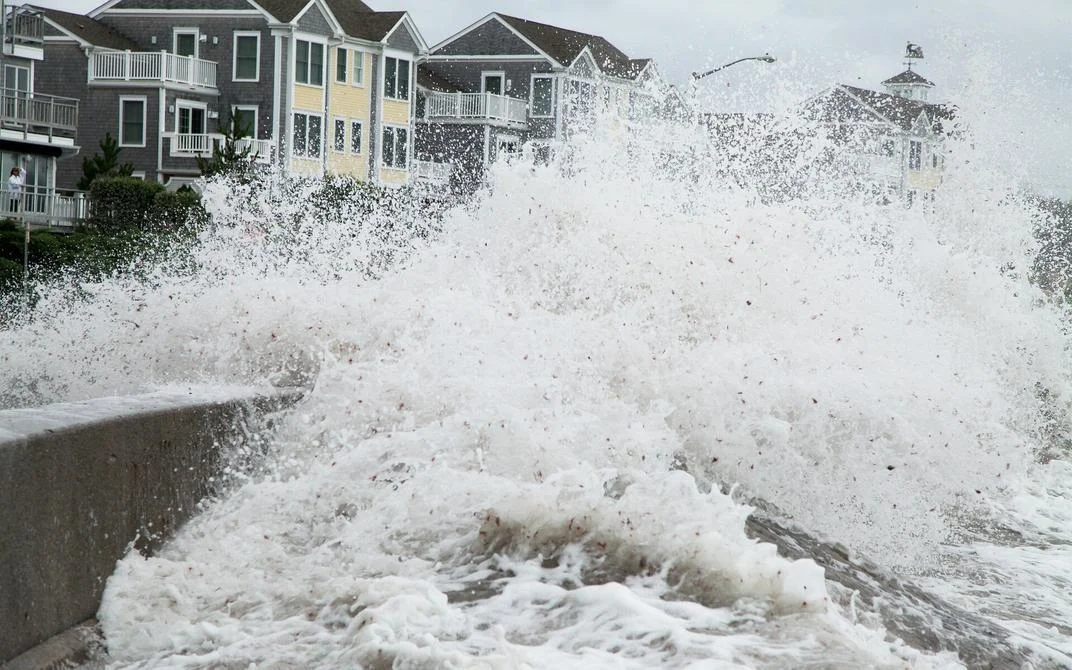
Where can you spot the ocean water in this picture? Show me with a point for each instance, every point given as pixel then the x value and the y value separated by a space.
pixel 535 430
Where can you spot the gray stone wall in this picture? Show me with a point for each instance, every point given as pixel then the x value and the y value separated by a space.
pixel 75 492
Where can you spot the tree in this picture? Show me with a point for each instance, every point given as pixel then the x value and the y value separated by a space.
pixel 227 158
pixel 105 163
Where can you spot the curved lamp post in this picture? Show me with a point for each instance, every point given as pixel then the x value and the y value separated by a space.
pixel 766 58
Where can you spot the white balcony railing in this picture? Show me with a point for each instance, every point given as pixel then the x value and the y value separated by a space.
pixel 192 144
pixel 118 66
pixel 46 206
pixel 259 150
pixel 476 107
pixel 432 173
pixel 38 113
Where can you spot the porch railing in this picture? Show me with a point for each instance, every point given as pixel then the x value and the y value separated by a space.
pixel 261 150
pixel 47 206
pixel 476 107
pixel 431 172
pixel 162 66
pixel 25 27
pixel 38 113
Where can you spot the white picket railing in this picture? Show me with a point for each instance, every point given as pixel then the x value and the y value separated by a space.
pixel 46 206
pixel 476 106
pixel 38 112
pixel 435 173
pixel 261 150
pixel 160 66
pixel 191 144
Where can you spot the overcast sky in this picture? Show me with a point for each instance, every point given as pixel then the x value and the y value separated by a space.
pixel 1007 61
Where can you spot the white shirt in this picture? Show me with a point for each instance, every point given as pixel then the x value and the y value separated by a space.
pixel 14 185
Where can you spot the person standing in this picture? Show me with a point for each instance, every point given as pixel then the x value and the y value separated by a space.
pixel 15 184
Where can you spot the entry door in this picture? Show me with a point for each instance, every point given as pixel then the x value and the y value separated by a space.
pixel 191 120
pixel 186 43
pixel 493 82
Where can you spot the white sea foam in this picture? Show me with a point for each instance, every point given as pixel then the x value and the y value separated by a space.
pixel 537 408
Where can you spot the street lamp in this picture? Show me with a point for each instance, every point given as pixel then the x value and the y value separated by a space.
pixel 766 58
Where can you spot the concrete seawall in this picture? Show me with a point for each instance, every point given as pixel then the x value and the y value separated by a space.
pixel 79 482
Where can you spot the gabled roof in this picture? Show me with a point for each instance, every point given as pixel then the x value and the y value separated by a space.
pixel 372 26
pixel 908 77
pixel 566 45
pixel 846 103
pixel 285 11
pixel 86 29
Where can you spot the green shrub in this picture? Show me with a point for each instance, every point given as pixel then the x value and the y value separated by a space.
pixel 123 203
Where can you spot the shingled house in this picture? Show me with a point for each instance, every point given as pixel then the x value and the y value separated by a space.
pixel 895 137
pixel 321 85
pixel 38 130
pixel 504 81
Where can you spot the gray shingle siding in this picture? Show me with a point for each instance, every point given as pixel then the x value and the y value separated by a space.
pixel 314 21
pixel 467 74
pixel 490 39
pixel 402 39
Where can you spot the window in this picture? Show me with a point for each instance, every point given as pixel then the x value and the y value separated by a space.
pixel 185 41
pixel 492 82
pixel 247 50
pixel 244 118
pixel 340 135
pixel 17 78
pixel 915 155
pixel 359 68
pixel 190 119
pixel 543 102
pixel 396 78
pixel 355 137
pixel 132 122
pixel 341 68
pixel 395 147
pixel 307 135
pixel 309 63
pixel 934 159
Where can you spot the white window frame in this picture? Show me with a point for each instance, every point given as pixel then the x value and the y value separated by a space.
pixel 409 78
pixel 357 56
pixel 256 116
pixel 532 96
pixel 234 57
pixel 335 121
pixel 144 100
pixel 409 143
pixel 350 137
pixel 324 62
pixel 501 74
pixel 18 68
pixel 181 104
pixel 918 159
pixel 186 30
pixel 308 116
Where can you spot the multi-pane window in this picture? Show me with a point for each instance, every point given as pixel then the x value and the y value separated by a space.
pixel 915 155
pixel 355 137
pixel 395 143
pixel 359 68
pixel 340 135
pixel 341 67
pixel 396 78
pixel 247 47
pixel 543 96
pixel 308 130
pixel 186 42
pixel 309 63
pixel 132 122
pixel 191 120
pixel 244 118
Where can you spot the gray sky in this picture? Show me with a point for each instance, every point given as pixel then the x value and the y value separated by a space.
pixel 1007 63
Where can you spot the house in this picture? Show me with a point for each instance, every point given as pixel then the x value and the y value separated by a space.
pixel 504 82
pixel 318 86
pixel 894 137
pixel 38 130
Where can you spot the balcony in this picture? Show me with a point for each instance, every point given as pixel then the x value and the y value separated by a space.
pixel 37 116
pixel 189 145
pixel 476 108
pixel 259 150
pixel 24 27
pixel 432 173
pixel 46 208
pixel 116 67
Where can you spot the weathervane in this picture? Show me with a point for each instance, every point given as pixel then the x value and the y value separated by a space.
pixel 912 52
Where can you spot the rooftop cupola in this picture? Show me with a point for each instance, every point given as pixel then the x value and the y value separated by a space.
pixel 909 84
